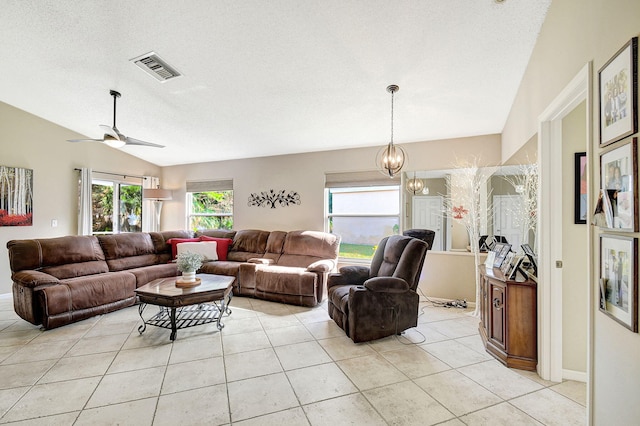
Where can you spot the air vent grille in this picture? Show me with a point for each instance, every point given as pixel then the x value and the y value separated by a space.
pixel 153 65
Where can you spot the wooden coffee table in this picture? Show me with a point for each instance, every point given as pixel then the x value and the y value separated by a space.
pixel 186 307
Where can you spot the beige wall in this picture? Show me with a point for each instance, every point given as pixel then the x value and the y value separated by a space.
pixel 575 251
pixel 449 275
pixel 304 173
pixel 574 33
pixel 33 143
pixel 30 142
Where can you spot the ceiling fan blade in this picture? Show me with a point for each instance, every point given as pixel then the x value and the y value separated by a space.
pixel 109 131
pixel 132 141
pixel 84 140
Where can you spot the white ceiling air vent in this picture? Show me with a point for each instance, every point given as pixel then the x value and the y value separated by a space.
pixel 153 65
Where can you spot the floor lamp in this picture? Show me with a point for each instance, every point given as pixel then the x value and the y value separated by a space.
pixel 157 195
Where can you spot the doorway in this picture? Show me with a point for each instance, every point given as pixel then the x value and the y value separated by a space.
pixel 550 283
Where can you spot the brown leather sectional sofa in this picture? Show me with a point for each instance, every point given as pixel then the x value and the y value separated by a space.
pixel 57 281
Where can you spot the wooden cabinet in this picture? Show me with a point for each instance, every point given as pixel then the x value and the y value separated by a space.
pixel 508 325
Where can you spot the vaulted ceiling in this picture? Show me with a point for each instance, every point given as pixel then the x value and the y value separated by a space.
pixel 263 78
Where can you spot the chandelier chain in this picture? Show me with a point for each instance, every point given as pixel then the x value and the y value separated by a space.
pixel 392 92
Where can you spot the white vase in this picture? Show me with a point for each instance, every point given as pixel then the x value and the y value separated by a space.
pixel 189 277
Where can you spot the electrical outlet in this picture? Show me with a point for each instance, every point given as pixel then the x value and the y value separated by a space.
pixel 54 223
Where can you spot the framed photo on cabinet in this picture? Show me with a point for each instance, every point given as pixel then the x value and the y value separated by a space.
pixel 618 179
pixel 501 250
pixel 619 280
pixel 618 82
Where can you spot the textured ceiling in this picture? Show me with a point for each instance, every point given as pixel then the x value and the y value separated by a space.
pixel 271 77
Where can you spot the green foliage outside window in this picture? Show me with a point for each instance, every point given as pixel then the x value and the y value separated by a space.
pixel 211 210
pixel 129 207
pixel 102 200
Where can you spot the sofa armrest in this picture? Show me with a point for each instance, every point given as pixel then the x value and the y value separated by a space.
pixel 34 279
pixel 349 275
pixel 321 266
pixel 387 285
pixel 261 261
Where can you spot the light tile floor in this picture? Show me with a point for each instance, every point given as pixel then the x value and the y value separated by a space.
pixel 272 364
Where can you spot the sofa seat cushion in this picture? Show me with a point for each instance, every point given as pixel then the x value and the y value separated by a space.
pixel 339 297
pixel 220 267
pixel 149 273
pixel 285 280
pixel 338 305
pixel 72 270
pixel 88 292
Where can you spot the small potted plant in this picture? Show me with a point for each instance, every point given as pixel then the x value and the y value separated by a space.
pixel 188 263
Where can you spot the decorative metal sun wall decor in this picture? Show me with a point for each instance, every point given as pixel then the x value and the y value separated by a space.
pixel 271 198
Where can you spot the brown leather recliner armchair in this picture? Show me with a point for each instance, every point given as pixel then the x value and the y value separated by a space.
pixel 369 303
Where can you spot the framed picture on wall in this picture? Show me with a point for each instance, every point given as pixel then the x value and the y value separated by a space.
pixel 617 82
pixel 16 196
pixel 619 280
pixel 580 203
pixel 618 179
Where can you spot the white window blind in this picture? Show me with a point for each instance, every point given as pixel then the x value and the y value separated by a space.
pixel 359 179
pixel 210 185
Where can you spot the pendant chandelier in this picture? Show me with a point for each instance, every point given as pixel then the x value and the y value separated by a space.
pixel 391 158
pixel 415 185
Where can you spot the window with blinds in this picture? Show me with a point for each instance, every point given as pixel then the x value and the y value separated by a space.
pixel 210 204
pixel 363 208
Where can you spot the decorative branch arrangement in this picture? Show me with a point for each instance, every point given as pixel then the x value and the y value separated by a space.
pixel 467 202
pixel 525 183
pixel 271 198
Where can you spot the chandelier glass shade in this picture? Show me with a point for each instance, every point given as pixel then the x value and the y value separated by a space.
pixel 415 185
pixel 391 158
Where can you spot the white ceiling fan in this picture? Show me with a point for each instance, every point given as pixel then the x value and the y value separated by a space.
pixel 112 135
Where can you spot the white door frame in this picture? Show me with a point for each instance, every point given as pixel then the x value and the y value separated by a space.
pixel 550 227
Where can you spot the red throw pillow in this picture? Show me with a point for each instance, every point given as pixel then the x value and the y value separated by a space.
pixel 173 242
pixel 223 245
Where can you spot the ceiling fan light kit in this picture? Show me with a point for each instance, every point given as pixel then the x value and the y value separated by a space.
pixel 112 136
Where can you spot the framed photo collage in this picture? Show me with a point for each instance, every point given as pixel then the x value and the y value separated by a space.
pixel 617 207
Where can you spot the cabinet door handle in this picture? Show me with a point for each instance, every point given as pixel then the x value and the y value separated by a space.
pixel 497 303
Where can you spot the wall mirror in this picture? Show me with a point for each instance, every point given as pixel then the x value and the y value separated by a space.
pixel 505 203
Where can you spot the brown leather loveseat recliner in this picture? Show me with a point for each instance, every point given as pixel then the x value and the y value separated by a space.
pixel 369 303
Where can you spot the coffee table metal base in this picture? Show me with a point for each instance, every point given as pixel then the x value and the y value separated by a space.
pixel 186 316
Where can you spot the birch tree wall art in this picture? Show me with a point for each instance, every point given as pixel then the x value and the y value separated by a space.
pixel 16 196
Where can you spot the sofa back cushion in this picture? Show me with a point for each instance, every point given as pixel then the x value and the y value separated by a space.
pixel 160 243
pixel 275 245
pixel 62 257
pixel 217 233
pixel 130 250
pixel 248 243
pixel 302 248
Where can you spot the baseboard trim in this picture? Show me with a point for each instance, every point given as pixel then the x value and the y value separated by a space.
pixel 578 376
